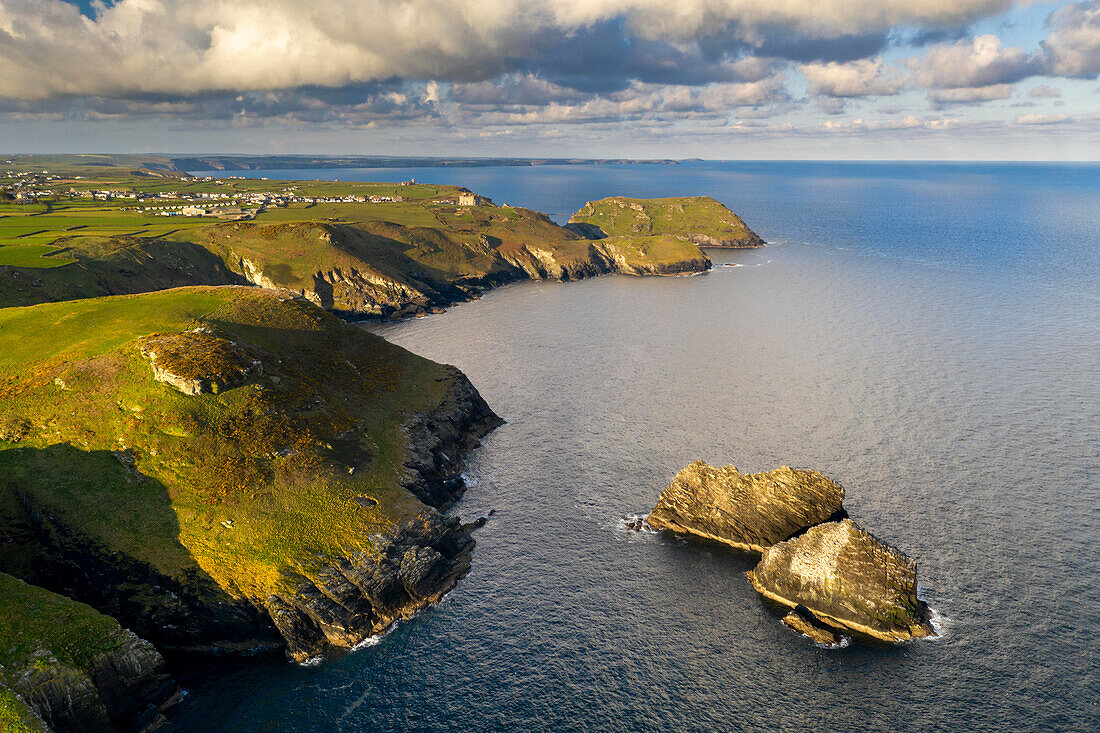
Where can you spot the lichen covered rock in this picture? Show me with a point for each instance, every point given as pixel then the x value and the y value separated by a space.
pixel 198 362
pixel 848 580
pixel 746 511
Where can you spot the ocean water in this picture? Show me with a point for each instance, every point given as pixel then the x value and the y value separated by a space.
pixel 928 335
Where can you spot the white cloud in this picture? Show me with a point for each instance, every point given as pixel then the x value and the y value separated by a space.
pixel 1073 46
pixel 979 62
pixel 970 95
pixel 1041 119
pixel 862 78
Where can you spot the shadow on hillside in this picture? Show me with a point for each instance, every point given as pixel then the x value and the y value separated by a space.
pixel 88 525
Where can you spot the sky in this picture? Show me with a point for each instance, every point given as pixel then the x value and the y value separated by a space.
pixel 714 79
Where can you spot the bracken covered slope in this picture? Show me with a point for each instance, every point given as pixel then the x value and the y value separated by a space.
pixel 294 505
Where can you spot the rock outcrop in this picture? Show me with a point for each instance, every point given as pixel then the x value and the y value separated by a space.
pixel 439 440
pixel 847 580
pixel 364 594
pixel 746 511
pixel 800 620
pixel 198 362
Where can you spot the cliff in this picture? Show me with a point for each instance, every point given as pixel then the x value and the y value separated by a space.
pixel 362 268
pixel 746 511
pixel 697 219
pixel 394 259
pixel 71 668
pixel 229 469
pixel 847 580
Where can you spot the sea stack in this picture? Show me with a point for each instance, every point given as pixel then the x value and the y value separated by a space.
pixel 845 579
pixel 749 512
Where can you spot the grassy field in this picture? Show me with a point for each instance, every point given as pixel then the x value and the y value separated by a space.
pixel 32 255
pixel 251 485
pixel 690 217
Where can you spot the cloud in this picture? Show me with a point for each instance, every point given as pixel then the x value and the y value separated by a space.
pixel 1073 46
pixel 969 95
pixel 132 47
pixel 979 62
pixel 1041 119
pixel 641 102
pixel 863 78
pixel 1044 91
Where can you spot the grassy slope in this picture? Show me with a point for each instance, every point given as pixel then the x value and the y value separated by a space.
pixel 43 632
pixel 411 252
pixel 685 216
pixel 40 628
pixel 250 485
pixel 662 250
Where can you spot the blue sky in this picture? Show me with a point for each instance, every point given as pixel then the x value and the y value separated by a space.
pixel 848 79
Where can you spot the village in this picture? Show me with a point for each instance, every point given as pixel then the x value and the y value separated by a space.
pixel 35 187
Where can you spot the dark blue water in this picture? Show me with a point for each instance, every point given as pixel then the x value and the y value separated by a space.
pixel 926 334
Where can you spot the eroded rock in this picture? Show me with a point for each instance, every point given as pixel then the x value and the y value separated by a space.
pixel 803 622
pixel 746 511
pixel 198 362
pixel 848 580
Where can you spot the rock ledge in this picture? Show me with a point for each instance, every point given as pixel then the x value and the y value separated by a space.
pixel 746 511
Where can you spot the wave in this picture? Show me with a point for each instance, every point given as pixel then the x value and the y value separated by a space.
pixel 940 623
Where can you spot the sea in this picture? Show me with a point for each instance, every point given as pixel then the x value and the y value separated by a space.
pixel 926 334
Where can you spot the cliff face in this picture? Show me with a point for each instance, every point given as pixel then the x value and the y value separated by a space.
pixel 384 269
pixel 746 511
pixel 296 509
pixel 76 669
pixel 846 579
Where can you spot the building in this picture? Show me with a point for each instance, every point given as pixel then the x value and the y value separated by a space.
pixel 470 199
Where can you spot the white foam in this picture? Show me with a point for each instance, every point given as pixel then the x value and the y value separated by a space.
pixel 940 623
pixel 844 642
pixel 623 525
pixel 369 641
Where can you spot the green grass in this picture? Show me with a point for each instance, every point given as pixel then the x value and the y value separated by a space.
pixel 31 255
pixel 148 472
pixel 684 217
pixel 34 620
pixel 653 250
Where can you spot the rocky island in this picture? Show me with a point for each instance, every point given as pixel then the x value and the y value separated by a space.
pixel 839 577
pixel 834 576
pixel 748 512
